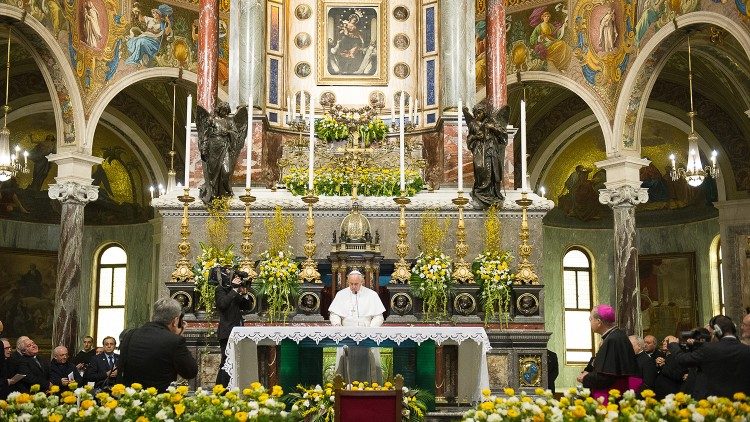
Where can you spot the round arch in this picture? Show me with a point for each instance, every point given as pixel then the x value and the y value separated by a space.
pixel 115 88
pixel 640 79
pixel 580 90
pixel 58 75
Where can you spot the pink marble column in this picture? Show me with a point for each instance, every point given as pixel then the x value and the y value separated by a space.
pixel 74 196
pixel 497 91
pixel 208 53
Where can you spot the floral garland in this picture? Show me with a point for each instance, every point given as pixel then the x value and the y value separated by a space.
pixel 335 181
pixel 493 275
pixel 431 280
pixel 278 283
pixel 139 404
pixel 317 403
pixel 211 257
pixel 577 404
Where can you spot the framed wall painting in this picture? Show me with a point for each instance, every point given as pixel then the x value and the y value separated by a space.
pixel 669 299
pixel 28 281
pixel 352 42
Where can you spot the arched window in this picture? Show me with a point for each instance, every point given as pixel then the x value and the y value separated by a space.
pixel 579 340
pixel 109 316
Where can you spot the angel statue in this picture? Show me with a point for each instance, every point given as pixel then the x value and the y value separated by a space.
pixel 220 139
pixel 487 139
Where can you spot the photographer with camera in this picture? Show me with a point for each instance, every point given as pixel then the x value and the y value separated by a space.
pixel 723 363
pixel 231 299
pixel 155 353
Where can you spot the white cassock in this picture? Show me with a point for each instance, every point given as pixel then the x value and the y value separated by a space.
pixel 363 309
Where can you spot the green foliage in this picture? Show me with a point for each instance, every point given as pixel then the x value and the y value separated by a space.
pixel 431 280
pixel 278 282
pixel 335 181
pixel 329 130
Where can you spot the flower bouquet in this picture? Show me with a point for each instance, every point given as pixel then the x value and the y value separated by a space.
pixel 373 131
pixel 431 280
pixel 335 181
pixel 211 257
pixel 330 130
pixel 278 282
pixel 493 275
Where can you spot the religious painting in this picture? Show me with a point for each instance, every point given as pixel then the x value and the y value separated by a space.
pixel 352 46
pixel 538 39
pixel 605 35
pixel 668 294
pixel 27 294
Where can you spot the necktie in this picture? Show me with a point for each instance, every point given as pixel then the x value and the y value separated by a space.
pixel 111 362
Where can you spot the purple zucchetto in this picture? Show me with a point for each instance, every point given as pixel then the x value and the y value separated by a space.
pixel 606 313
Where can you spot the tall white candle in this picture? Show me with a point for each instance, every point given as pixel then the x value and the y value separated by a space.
pixel 249 143
pixel 310 171
pixel 188 133
pixel 459 142
pixel 401 146
pixel 302 104
pixel 288 110
pixel 524 180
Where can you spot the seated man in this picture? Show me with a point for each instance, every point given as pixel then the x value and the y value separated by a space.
pixel 61 371
pixel 102 370
pixel 36 370
pixel 357 306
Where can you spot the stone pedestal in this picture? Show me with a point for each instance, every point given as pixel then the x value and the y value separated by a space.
pixel 308 303
pixel 466 304
pixel 402 304
pixel 518 359
pixel 527 303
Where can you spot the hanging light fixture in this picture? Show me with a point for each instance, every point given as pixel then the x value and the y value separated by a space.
pixel 694 172
pixel 10 163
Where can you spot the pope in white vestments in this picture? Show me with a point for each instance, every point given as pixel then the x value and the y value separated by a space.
pixel 357 306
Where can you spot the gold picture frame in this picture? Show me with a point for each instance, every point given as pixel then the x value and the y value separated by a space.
pixel 352 42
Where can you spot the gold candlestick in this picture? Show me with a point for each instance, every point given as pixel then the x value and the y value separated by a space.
pixel 246 264
pixel 183 271
pixel 461 268
pixel 310 267
pixel 401 271
pixel 525 273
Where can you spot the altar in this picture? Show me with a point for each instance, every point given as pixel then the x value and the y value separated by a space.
pixel 472 343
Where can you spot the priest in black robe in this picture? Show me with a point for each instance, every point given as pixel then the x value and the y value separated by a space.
pixel 614 365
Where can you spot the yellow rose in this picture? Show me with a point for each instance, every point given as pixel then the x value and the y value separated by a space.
pixel 151 390
pixel 215 401
pixel 183 389
pixel 87 404
pixel 277 391
pixel 486 392
pixel 138 387
pixel 218 389
pixel 34 388
pixel 509 391
pixel 487 405
pixel 176 398
pixel 247 391
pixel 739 396
pixel 141 419
pixel 241 416
pixel 614 393
pixel 69 399
pixel 680 397
pixel 612 407
pixel 54 389
pixel 579 412
pixel 23 398
pixel 179 409
pixel 3 404
pixel 55 418
pixel 647 393
pixel 512 413
pixel 263 397
pixel 111 404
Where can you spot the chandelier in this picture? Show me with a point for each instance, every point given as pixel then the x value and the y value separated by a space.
pixel 693 172
pixel 10 163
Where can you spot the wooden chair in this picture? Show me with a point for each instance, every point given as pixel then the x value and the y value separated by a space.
pixel 368 406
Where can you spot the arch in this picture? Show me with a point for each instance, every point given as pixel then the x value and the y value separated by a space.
pixel 578 89
pixel 646 68
pixel 115 88
pixel 66 99
pixel 145 152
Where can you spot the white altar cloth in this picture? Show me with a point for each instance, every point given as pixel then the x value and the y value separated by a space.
pixel 473 345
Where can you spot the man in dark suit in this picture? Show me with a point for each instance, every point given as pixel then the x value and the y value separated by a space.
pixel 103 367
pixel 553 369
pixel 231 300
pixel 29 364
pixel 724 362
pixel 154 354
pixel 60 368
pixel 646 365
pixel 650 348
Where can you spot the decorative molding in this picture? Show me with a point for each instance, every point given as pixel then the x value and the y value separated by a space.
pixel 623 196
pixel 73 193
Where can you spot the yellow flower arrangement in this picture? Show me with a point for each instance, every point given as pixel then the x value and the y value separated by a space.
pixel 336 181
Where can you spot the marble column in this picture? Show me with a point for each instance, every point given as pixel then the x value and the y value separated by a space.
pixel 74 196
pixel 208 53
pixel 246 52
pixel 457 51
pixel 734 229
pixel 497 89
pixel 623 193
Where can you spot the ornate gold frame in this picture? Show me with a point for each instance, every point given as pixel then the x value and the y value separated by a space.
pixel 381 76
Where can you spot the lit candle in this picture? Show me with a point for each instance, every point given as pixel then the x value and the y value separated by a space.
pixel 26 157
pixel 249 143
pixel 401 146
pixel 188 132
pixel 713 157
pixel 310 171
pixel 524 180
pixel 542 191
pixel 459 142
pixel 674 164
pixel 151 189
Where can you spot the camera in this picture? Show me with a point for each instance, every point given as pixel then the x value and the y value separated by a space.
pixel 223 276
pixel 690 340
